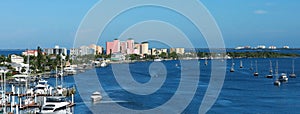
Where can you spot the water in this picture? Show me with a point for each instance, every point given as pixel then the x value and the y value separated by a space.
pixel 241 93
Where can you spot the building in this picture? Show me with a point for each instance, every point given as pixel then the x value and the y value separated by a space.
pixel 56 50
pixel 272 47
pixel 32 53
pixel 180 51
pixel 144 48
pixel 286 47
pixel 113 47
pixel 98 49
pixel 117 57
pixel 123 47
pixel 177 50
pixel 130 46
pixel 83 50
pixel 17 59
pixel 137 48
pixel 261 47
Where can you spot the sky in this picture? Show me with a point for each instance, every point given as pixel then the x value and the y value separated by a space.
pixel 32 23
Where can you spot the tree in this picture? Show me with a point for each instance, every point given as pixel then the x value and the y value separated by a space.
pixel 173 55
pixel 163 55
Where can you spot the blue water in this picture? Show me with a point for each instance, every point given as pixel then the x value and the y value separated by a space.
pixel 241 92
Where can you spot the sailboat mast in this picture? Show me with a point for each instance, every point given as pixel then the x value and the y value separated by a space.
pixel 62 74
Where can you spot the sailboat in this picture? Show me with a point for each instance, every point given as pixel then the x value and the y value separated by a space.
pixel 232 66
pixel 277 82
pixel 241 64
pixel 271 71
pixel 256 72
pixel 293 75
pixel 206 62
pixel 251 66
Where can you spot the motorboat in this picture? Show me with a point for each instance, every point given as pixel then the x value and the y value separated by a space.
pixel 70 71
pixel 96 96
pixel 283 77
pixel 42 87
pixel 103 64
pixel 157 60
pixel 56 105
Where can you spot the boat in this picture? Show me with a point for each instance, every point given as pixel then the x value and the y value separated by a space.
pixel 20 78
pixel 56 105
pixel 256 72
pixel 103 64
pixel 206 62
pixel 271 71
pixel 251 66
pixel 42 87
pixel 283 77
pixel 293 75
pixel 70 71
pixel 241 64
pixel 96 96
pixel 277 83
pixel 232 66
pixel 157 60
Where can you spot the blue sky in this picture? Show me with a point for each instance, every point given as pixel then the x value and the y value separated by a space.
pixel 26 24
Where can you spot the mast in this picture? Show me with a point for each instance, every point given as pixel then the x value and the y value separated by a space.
pixel 293 66
pixel 271 70
pixel 62 74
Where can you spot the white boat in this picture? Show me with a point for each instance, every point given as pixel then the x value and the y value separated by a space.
pixel 103 64
pixel 293 75
pixel 70 71
pixel 96 96
pixel 42 87
pixel 56 105
pixel 232 66
pixel 20 78
pixel 157 60
pixel 277 83
pixel 283 77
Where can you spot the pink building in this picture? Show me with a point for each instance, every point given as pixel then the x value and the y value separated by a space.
pixel 123 47
pixel 130 46
pixel 113 47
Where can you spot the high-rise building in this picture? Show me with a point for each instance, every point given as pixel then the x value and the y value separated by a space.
pixel 130 46
pixel 113 47
pixel 144 48
pixel 56 50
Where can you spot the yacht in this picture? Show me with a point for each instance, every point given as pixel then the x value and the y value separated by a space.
pixel 42 87
pixel 56 105
pixel 277 82
pixel 70 71
pixel 157 60
pixel 103 64
pixel 232 66
pixel 96 96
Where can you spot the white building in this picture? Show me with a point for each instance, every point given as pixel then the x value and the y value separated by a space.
pixel 144 48
pixel 83 50
pixel 261 47
pixel 56 50
pixel 286 47
pixel 17 59
pixel 272 47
